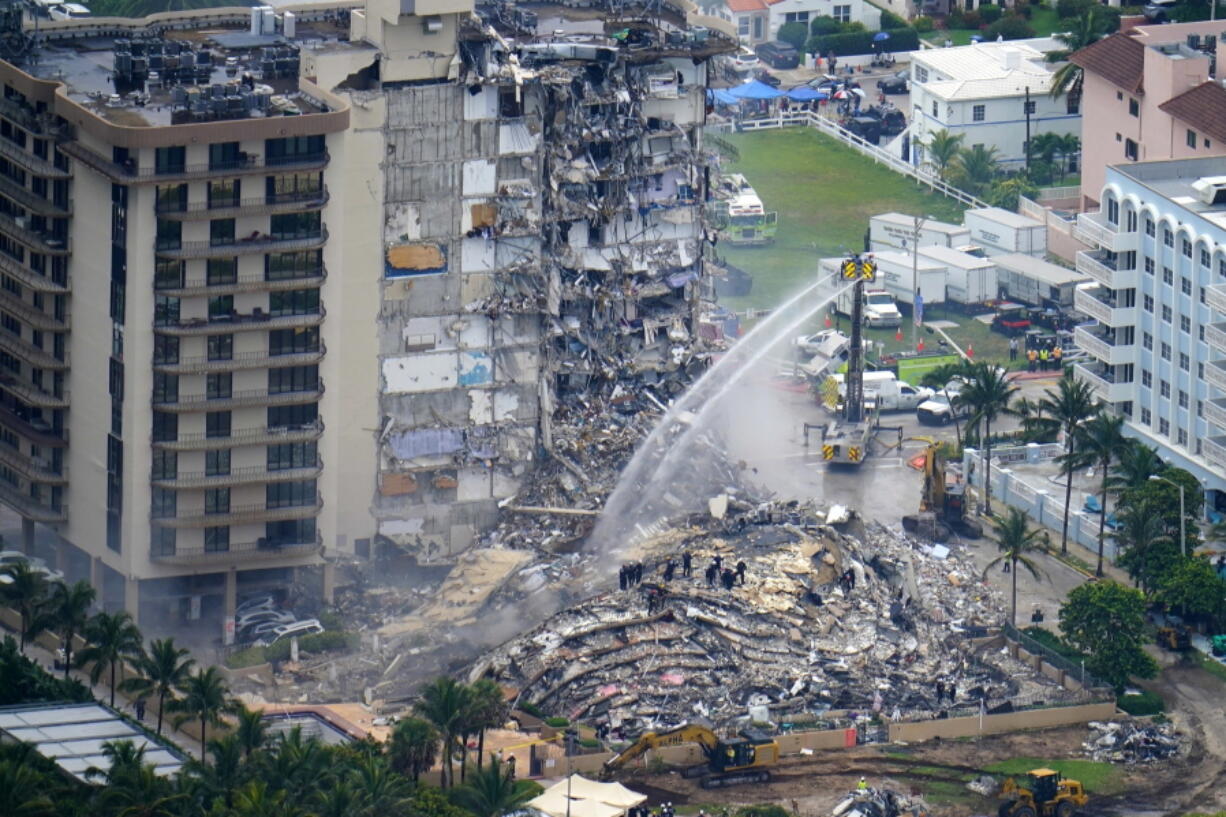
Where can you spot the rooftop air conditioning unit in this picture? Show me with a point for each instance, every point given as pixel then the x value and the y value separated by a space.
pixel 433 23
pixel 1211 189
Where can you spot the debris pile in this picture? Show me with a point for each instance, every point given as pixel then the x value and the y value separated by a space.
pixel 1131 742
pixel 875 802
pixel 824 622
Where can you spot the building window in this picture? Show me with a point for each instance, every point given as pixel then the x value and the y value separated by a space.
pixel 1147 341
pixel 165 427
pixel 1205 259
pixel 224 156
pixel 165 349
pixel 1134 107
pixel 298 416
pixel 1149 226
pixel 221 347
pixel 1165 351
pixel 220 271
pixel 165 387
pixel 217 500
pixel 163 503
pixel 291 379
pixel 921 73
pixel 1185 323
pixel 221 308
pixel 217 539
pixel 1200 371
pixel 1192 139
pixel 935 110
pixel 1072 103
pixel 1183 399
pixel 293 149
pixel 1168 237
pixel 169 234
pixel 978 112
pixel 1182 437
pixel 285 226
pixel 288 532
pixel 1200 330
pixel 1166 313
pixel 217 463
pixel 217 424
pixel 1185 247
pixel 168 273
pixel 1130 150
pixel 842 14
pixel 1202 295
pixel 221 232
pixel 163 543
pixel 293 341
pixel 165 464
pixel 219 385
pixel 742 29
pixel 1185 362
pixel 284 266
pixel 1146 417
pixel 1147 379
pixel 224 193
pixel 1149 266
pixel 1147 303
pixel 1168 276
pixel 292 455
pixel 170 160
pixel 1164 388
pixel 1164 427
pixel 290 494
pixel 796 17
pixel 293 302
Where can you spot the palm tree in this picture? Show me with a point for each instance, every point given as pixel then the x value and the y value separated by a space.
pixel 974 169
pixel 341 799
pixel 1070 146
pixel 26 591
pixel 1102 440
pixel 1070 405
pixel 489 711
pixel 251 730
pixel 1136 463
pixel 492 792
pixel 939 377
pixel 1088 28
pixel 66 614
pixel 132 787
pixel 1142 528
pixel 163 670
pixel 255 800
pixel 1035 424
pixel 24 791
pixel 1015 539
pixel 205 698
pixel 386 791
pixel 942 148
pixel 414 747
pixel 110 638
pixel 443 702
pixel 216 783
pixel 988 394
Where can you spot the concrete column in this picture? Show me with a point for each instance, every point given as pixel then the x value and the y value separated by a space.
pixel 1032 453
pixel 230 604
pixel 131 598
pixel 95 573
pixel 329 582
pixel 27 536
pixel 1000 483
pixel 1040 503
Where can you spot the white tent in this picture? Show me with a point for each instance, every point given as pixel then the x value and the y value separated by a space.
pixel 613 794
pixel 555 805
pixel 588 798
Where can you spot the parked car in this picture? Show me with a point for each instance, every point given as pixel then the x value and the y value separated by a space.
pixel 260 601
pixel 941 408
pixel 894 84
pixel 770 79
pixel 745 61
pixel 1159 11
pixel 8 557
pixel 248 620
pixel 1010 319
pixel 309 626
pixel 867 128
pixel 778 55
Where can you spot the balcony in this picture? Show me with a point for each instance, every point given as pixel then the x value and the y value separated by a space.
pixel 36 318
pixel 32 395
pixel 243 360
pixel 1095 230
pixel 262 205
pixel 236 322
pixel 1215 411
pixel 35 470
pixel 30 278
pixel 1100 303
pixel 243 515
pixel 1213 449
pixel 247 165
pixel 31 163
pixel 264 435
pixel 28 352
pixel 35 431
pixel 239 399
pixel 237 476
pixel 29 508
pixel 1101 345
pixel 1215 374
pixel 43 242
pixel 1215 297
pixel 200 285
pixel 31 202
pixel 1102 269
pixel 258 551
pixel 1102 380
pixel 259 243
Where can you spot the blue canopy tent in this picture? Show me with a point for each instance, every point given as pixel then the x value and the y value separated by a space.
pixel 723 97
pixel 755 89
pixel 881 36
pixel 804 93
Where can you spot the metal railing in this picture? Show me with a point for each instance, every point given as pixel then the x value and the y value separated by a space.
pixel 1068 666
pixel 239 322
pixel 242 246
pixel 238 399
pixel 131 172
pixel 250 206
pixel 246 551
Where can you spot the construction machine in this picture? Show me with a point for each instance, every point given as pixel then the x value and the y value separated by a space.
pixel 1043 793
pixel 745 759
pixel 1175 637
pixel 942 503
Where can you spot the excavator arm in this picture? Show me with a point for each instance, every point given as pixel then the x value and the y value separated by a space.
pixel 686 733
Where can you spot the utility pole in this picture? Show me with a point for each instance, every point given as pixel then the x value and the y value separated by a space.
pixel 915 287
pixel 1027 146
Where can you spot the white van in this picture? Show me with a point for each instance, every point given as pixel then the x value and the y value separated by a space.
pixel 69 11
pixel 308 626
pixel 888 392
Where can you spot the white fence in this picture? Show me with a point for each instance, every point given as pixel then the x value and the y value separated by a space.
pixel 1042 501
pixel 812 119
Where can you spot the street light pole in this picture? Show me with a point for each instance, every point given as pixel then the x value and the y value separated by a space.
pixel 570 750
pixel 915 234
pixel 1183 538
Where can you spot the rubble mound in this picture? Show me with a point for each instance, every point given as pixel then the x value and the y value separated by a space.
pixel 1131 742
pixel 825 620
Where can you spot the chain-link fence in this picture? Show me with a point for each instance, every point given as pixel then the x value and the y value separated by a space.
pixel 1071 668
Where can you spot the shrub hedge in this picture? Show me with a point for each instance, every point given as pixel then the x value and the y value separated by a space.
pixel 1147 703
pixel 854 43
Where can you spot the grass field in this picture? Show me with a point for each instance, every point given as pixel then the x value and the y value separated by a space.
pixel 1098 778
pixel 1044 21
pixel 824 193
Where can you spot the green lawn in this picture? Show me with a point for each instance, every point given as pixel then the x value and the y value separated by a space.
pixel 1044 21
pixel 824 193
pixel 1098 778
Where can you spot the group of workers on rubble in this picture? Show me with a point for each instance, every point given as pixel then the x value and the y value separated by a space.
pixel 631 573
pixel 665 810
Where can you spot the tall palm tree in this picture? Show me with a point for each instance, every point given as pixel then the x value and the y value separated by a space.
pixel 489 711
pixel 1035 422
pixel 1016 540
pixel 66 613
pixel 973 169
pixel 340 799
pixel 251 731
pixel 942 148
pixel 24 791
pixel 1070 404
pixel 414 747
pixel 205 698
pixel 217 782
pixel 1142 529
pixel 1102 440
pixel 110 639
pixel 132 787
pixel 1136 463
pixel 387 792
pixel 987 393
pixel 1088 28
pixel 492 792
pixel 256 800
pixel 161 671
pixel 1070 146
pixel 443 703
pixel 26 591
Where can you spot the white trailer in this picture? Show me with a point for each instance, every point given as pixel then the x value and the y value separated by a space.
pixel 1035 281
pixel 895 231
pixel 1000 232
pixel 971 279
pixel 894 274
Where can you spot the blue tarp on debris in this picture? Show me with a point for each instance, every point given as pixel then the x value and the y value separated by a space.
pixel 755 89
pixel 429 442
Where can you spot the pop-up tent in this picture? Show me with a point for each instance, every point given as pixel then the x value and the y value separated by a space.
pixel 588 798
pixel 803 93
pixel 755 89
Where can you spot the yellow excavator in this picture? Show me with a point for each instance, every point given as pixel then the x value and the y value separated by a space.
pixel 942 503
pixel 1042 793
pixel 744 759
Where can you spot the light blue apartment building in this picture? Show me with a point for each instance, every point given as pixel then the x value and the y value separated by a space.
pixel 1159 348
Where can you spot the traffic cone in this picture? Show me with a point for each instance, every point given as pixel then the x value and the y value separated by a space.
pixel 827 320
pixel 970 350
pixel 898 334
pixel 919 347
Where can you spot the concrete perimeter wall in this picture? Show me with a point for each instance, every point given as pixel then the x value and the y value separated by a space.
pixel 993 724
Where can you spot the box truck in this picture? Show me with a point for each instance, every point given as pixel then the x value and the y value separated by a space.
pixel 888 392
pixel 971 279
pixel 1000 231
pixel 896 276
pixel 1036 282
pixel 879 307
pixel 895 231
